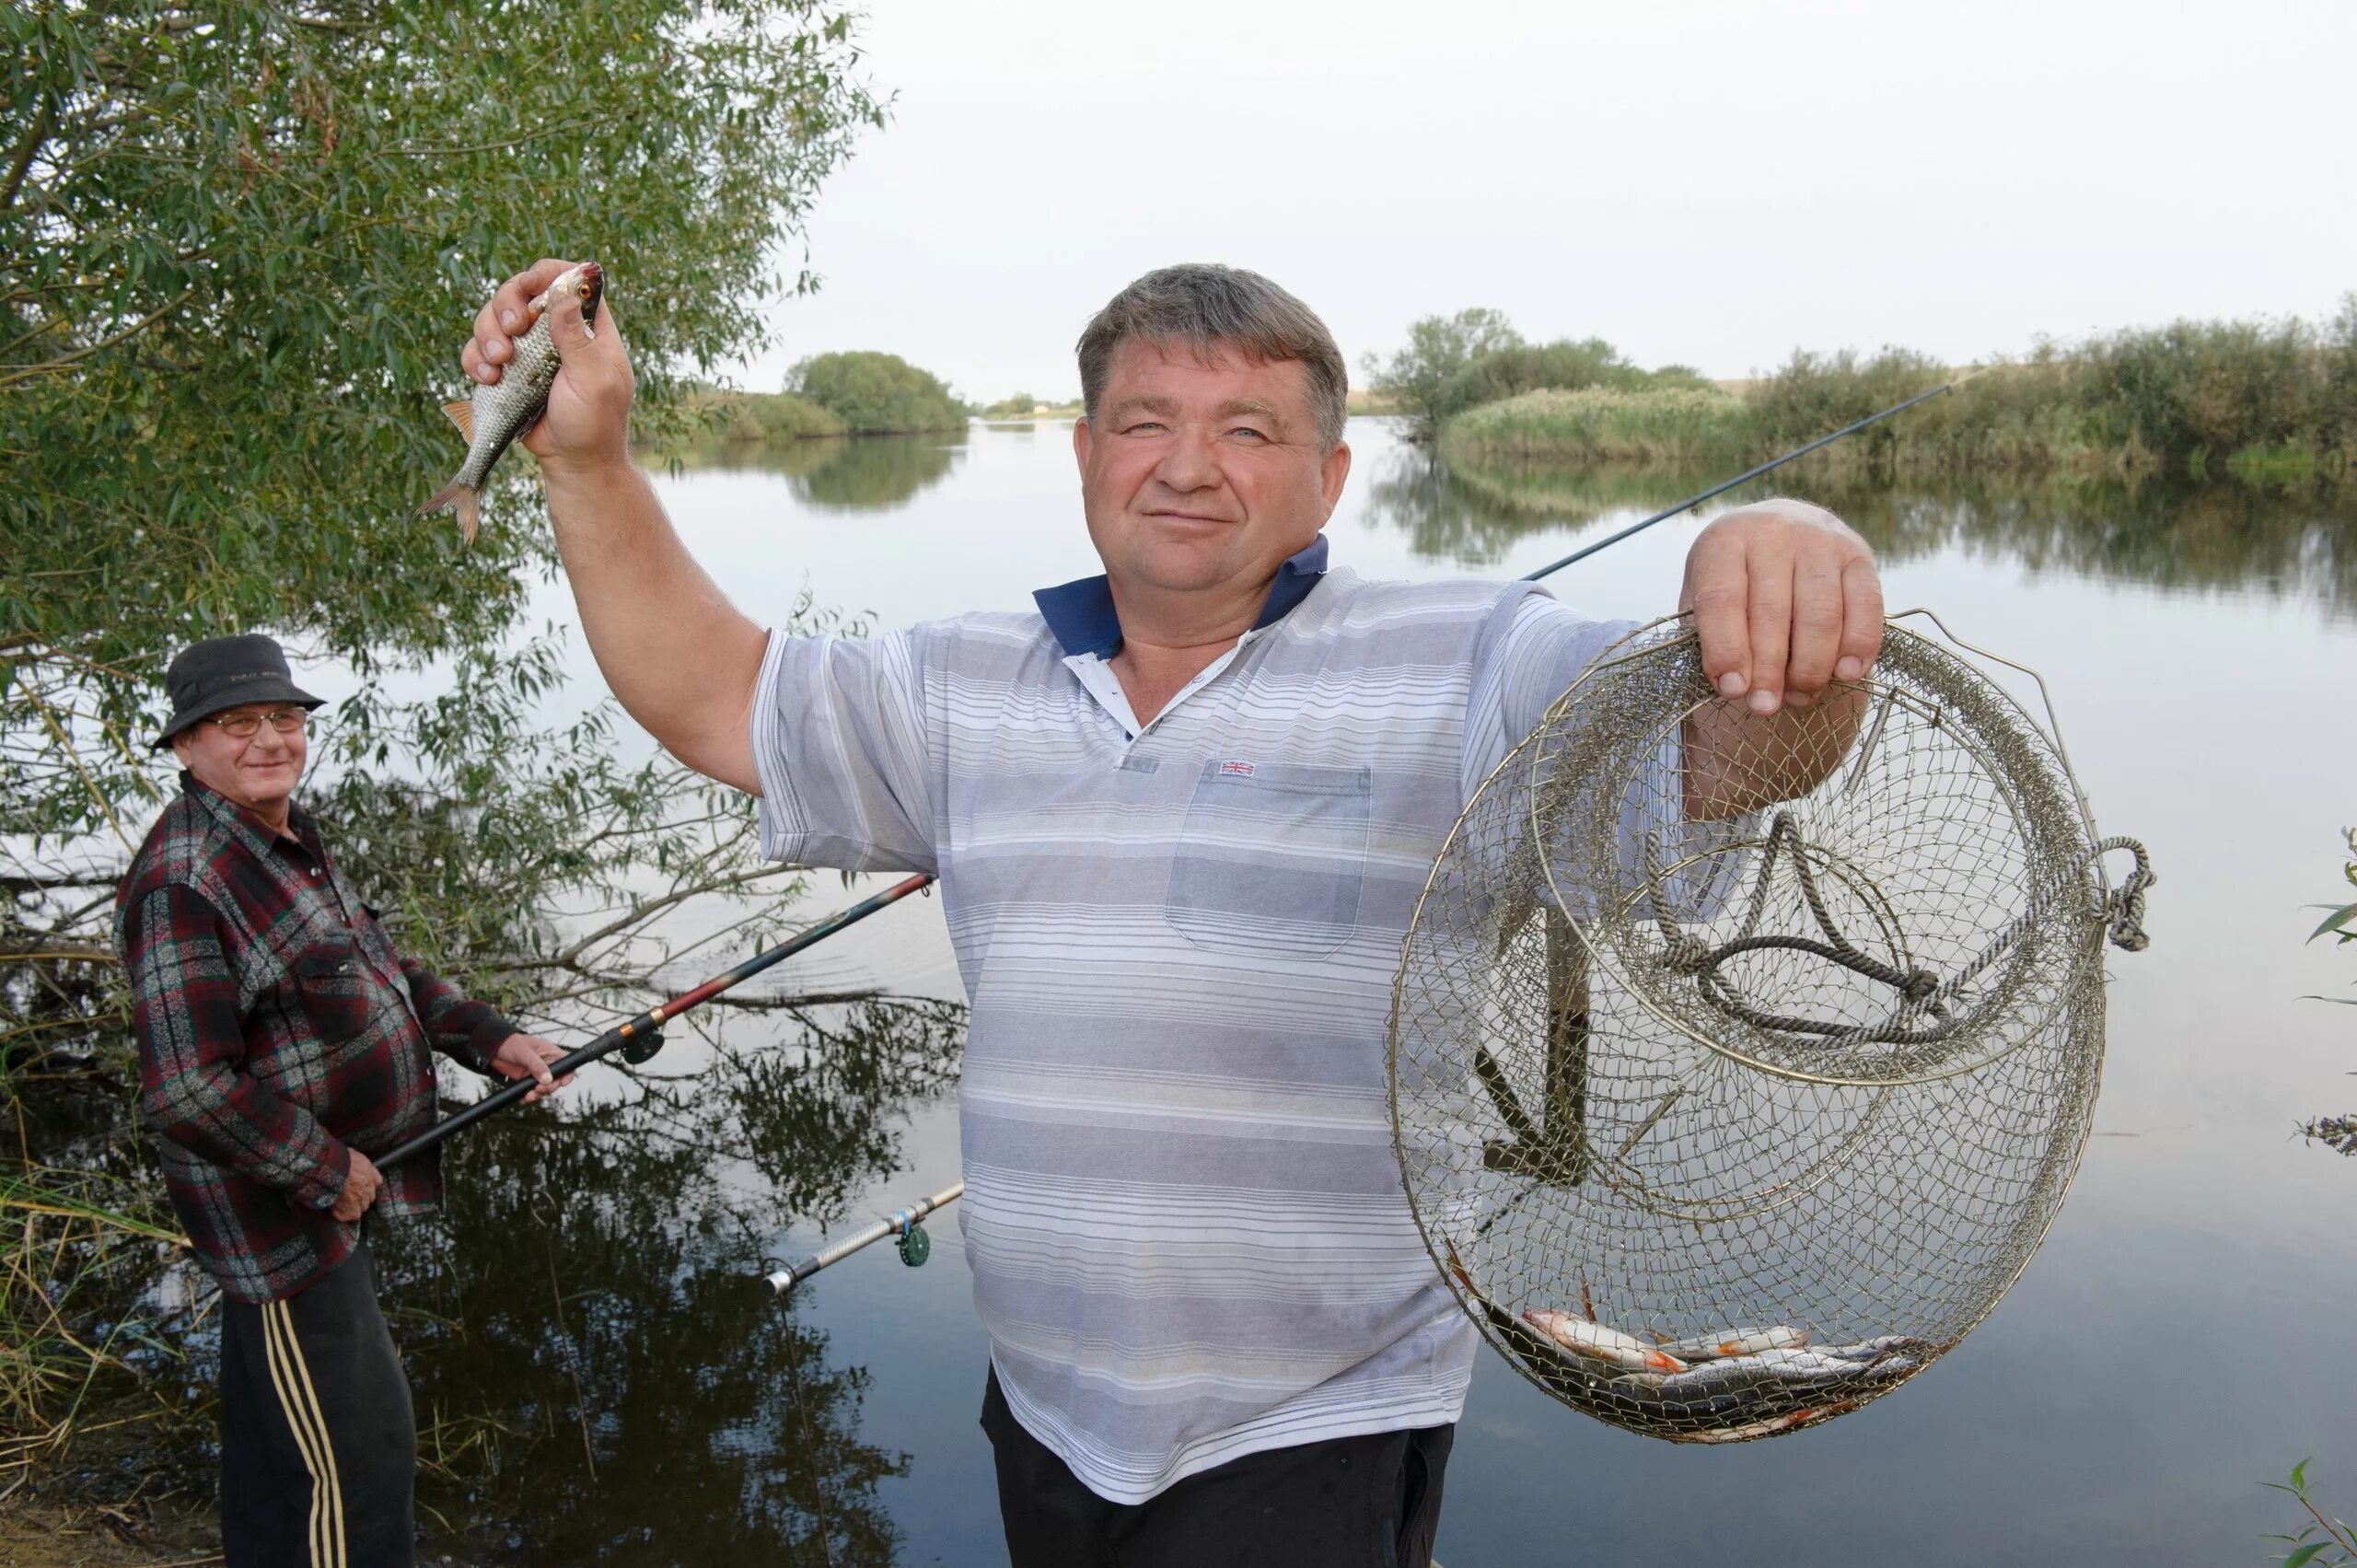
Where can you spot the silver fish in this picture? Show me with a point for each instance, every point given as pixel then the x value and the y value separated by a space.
pixel 1767 1369
pixel 1880 1348
pixel 491 417
pixel 1611 1346
pixel 1735 1342
pixel 1773 1425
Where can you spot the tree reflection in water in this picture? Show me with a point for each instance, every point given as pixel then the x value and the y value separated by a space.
pixel 835 473
pixel 600 1373
pixel 2169 533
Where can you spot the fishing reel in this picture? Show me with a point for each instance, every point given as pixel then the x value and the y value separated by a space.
pixel 915 1245
pixel 640 1045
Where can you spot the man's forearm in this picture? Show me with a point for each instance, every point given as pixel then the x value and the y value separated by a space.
pixel 680 657
pixel 462 1027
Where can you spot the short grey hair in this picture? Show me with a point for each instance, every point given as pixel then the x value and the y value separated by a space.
pixel 1205 306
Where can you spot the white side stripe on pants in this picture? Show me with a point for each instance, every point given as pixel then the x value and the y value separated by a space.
pixel 290 1378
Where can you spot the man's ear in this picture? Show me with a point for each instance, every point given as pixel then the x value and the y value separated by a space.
pixel 1332 469
pixel 182 744
pixel 1081 436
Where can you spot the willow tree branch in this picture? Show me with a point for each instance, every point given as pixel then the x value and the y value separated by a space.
pixel 35 135
pixel 50 367
pixel 61 952
pixel 637 915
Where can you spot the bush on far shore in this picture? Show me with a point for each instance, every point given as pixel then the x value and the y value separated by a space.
pixel 876 394
pixel 1562 367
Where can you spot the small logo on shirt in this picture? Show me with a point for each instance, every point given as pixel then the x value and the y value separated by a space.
pixel 1236 770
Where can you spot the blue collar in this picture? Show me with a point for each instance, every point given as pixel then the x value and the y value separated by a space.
pixel 1081 613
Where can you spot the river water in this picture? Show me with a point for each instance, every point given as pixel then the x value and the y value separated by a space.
pixel 2183 1337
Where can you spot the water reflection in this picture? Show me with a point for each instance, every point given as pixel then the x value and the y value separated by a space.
pixel 599 1371
pixel 838 473
pixel 2168 533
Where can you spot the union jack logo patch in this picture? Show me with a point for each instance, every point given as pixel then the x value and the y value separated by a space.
pixel 1236 770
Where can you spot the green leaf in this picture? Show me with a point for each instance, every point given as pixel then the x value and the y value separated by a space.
pixel 2303 1555
pixel 2335 920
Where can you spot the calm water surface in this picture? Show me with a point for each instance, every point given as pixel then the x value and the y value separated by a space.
pixel 2184 1335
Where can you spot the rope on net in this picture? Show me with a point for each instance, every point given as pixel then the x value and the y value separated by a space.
pixel 1922 992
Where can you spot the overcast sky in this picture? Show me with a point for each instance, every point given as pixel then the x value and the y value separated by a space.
pixel 1705 183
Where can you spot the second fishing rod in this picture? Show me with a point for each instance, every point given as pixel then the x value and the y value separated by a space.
pixel 638 1037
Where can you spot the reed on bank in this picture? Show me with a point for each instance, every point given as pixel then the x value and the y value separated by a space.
pixel 2268 401
pixel 1673 426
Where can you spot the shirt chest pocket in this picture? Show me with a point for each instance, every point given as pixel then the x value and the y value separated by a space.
pixel 1271 860
pixel 334 985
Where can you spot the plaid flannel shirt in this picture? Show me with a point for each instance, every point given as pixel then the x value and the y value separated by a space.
pixel 278 1030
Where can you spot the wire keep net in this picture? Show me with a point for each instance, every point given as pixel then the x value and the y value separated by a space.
pixel 1723 1112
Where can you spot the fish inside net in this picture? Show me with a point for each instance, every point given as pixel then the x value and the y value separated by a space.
pixel 1724 1107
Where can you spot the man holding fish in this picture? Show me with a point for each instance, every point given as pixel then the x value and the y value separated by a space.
pixel 1180 812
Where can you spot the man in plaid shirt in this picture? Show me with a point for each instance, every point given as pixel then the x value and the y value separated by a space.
pixel 280 1038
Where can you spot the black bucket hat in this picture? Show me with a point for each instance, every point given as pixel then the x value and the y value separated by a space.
pixel 229 672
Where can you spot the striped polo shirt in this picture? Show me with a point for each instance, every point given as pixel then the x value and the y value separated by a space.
pixel 1183 1212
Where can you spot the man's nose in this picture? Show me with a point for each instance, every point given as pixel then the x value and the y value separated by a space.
pixel 1189 463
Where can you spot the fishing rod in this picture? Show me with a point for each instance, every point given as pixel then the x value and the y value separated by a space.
pixel 1746 476
pixel 641 1037
pixel 907 1224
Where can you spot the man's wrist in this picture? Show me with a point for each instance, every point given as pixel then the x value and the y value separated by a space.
pixel 585 479
pixel 325 1182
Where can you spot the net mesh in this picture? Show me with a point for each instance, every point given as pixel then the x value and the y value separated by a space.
pixel 1725 1112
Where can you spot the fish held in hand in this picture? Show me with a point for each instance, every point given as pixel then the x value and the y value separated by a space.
pixel 1580 1337
pixel 492 416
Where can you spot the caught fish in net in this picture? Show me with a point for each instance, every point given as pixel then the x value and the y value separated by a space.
pixel 1726 1104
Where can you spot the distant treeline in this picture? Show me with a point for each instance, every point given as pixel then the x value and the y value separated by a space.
pixel 862 393
pixel 1022 405
pixel 2275 400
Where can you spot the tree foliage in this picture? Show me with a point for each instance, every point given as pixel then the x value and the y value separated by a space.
pixel 1438 347
pixel 240 247
pixel 878 394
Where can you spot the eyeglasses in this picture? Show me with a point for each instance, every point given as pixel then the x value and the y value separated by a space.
pixel 246 726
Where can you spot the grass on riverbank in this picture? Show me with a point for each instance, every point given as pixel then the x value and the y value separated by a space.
pixel 2270 403
pixel 748 418
pixel 1671 427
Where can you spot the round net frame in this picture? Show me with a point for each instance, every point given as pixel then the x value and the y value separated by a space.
pixel 1737 1071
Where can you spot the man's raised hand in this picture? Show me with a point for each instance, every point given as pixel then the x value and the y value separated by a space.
pixel 1786 599
pixel 587 422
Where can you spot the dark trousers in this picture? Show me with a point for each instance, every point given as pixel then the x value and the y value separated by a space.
pixel 319 1449
pixel 1370 1501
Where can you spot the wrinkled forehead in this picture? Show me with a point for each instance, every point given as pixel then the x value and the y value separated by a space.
pixel 1211 372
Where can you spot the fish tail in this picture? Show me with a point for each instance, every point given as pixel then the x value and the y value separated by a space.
pixel 462 496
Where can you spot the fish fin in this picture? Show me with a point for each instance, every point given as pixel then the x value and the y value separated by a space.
pixel 462 414
pixel 464 498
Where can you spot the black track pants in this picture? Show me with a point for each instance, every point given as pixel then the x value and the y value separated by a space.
pixel 1370 1501
pixel 319 1449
